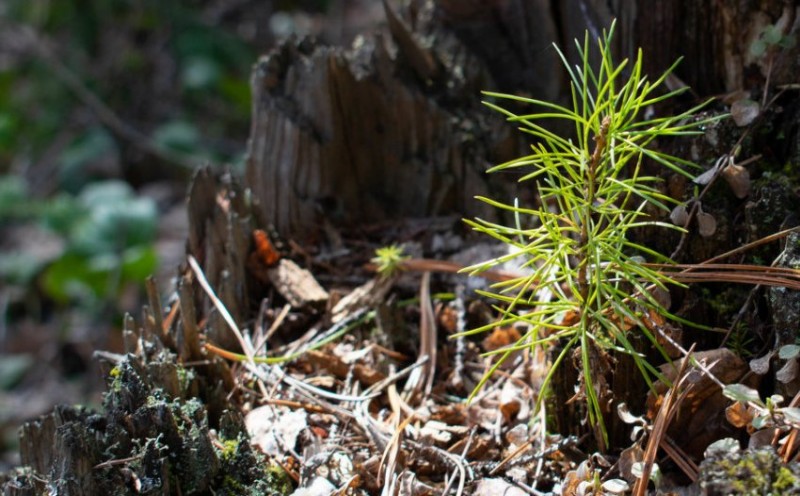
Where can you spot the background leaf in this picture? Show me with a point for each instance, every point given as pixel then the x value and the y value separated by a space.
pixel 740 392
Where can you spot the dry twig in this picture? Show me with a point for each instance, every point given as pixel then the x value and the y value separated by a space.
pixel 672 399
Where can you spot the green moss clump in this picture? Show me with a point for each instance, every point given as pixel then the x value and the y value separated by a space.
pixel 749 473
pixel 153 436
pixel 279 480
pixel 244 470
pixel 185 378
pixel 228 451
pixel 232 486
pixel 784 481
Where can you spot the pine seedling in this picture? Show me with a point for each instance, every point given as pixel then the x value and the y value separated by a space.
pixel 389 260
pixel 588 287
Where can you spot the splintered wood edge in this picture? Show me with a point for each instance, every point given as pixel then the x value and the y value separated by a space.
pixel 296 284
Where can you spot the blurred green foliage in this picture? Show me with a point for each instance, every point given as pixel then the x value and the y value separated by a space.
pixel 176 72
pixel 771 37
pixel 106 233
pixel 168 69
pixel 99 98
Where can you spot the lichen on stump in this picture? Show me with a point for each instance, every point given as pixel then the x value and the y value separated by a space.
pixel 169 423
pixel 748 473
pixel 148 439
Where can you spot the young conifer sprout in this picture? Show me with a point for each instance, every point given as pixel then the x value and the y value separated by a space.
pixel 588 288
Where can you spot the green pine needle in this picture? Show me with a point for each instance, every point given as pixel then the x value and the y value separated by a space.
pixel 592 194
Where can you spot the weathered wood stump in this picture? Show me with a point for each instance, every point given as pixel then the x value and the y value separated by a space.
pixel 392 127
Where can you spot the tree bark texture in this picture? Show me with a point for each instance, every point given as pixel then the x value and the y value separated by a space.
pixel 391 127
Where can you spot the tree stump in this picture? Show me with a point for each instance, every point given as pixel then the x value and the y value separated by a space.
pixel 392 127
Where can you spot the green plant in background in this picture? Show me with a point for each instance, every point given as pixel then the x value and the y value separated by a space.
pixel 771 37
pixel 170 73
pixel 103 240
pixel 588 288
pixel 165 69
pixel 741 340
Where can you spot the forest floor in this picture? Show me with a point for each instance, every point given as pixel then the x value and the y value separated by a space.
pixel 368 387
pixel 349 380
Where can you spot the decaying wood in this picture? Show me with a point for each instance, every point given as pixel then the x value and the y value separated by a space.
pixel 60 445
pixel 369 294
pixel 220 223
pixel 391 127
pixel 715 39
pixel 513 39
pixel 785 304
pixel 297 285
pixel 191 337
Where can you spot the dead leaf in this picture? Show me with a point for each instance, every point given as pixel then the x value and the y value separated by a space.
pixel 436 433
pixel 738 178
pixel 501 337
pixel 447 318
pixel 517 436
pixel 722 447
pixel 264 249
pixel 734 96
pixel 452 414
pixel 478 448
pixel 627 459
pixel 744 111
pixel 700 417
pixel 492 487
pixel 788 372
pixel 662 296
pixel 762 438
pixel 760 365
pixel 616 486
pixel 626 416
pixel 738 414
pixel 570 318
pixel 341 369
pixel 706 224
pixel 574 478
pixel 510 397
pixel 708 175
pixel 275 429
pixel 319 432
pixel 484 416
pixel 679 215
